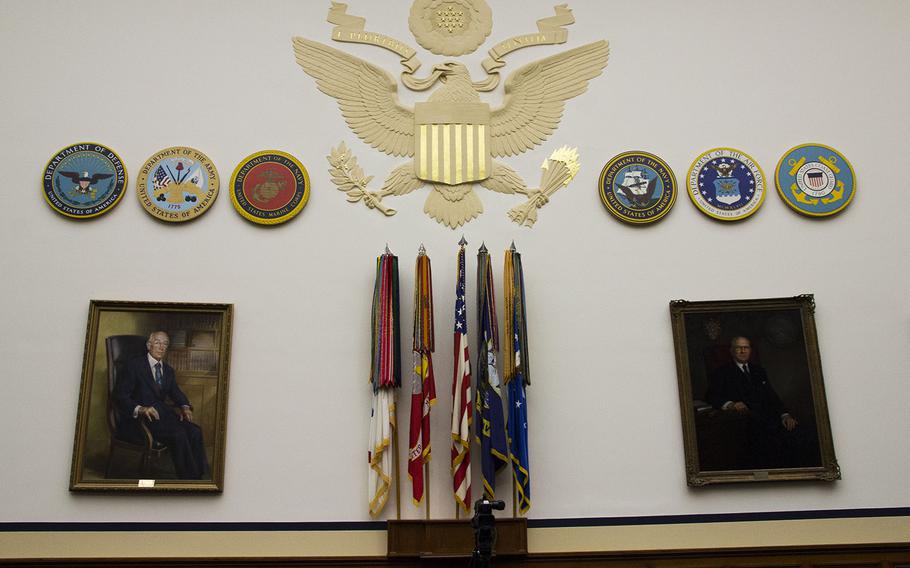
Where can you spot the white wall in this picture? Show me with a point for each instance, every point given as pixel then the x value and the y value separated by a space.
pixel 605 425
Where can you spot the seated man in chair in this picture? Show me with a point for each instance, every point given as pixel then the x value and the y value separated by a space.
pixel 142 393
pixel 774 437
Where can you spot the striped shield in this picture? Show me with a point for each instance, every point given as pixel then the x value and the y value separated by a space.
pixel 453 142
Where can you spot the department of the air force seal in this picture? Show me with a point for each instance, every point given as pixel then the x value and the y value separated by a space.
pixel 726 184
pixel 637 187
pixel 815 180
pixel 269 187
pixel 84 180
pixel 177 184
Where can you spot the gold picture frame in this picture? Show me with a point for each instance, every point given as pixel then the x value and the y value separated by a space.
pixel 153 428
pixel 751 393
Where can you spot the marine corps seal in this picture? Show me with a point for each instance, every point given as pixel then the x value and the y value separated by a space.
pixel 84 180
pixel 726 184
pixel 269 187
pixel 177 184
pixel 637 187
pixel 815 180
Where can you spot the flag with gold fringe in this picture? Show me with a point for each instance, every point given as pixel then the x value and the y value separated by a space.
pixel 517 376
pixel 423 384
pixel 385 377
pixel 492 436
pixel 461 394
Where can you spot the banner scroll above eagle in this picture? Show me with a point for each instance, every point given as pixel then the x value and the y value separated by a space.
pixel 454 137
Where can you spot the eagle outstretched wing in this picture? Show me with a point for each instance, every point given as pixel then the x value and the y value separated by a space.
pixel 366 94
pixel 75 177
pixel 536 94
pixel 72 176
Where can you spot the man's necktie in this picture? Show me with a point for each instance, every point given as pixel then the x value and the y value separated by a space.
pixel 158 373
pixel 745 370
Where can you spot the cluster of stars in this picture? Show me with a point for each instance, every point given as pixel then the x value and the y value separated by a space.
pixel 450 19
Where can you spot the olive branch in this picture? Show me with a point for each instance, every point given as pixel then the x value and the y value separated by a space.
pixel 349 178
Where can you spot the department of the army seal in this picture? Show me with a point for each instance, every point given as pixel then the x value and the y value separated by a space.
pixel 815 180
pixel 637 187
pixel 84 180
pixel 177 184
pixel 726 184
pixel 269 187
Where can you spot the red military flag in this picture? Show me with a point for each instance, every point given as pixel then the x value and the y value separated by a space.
pixel 423 384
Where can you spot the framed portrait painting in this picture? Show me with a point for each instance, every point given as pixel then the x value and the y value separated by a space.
pixel 751 392
pixel 152 409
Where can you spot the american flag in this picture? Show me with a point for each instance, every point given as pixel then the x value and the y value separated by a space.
pixel 161 180
pixel 461 397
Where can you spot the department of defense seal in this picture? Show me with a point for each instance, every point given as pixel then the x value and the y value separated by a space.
pixel 726 184
pixel 84 180
pixel 815 180
pixel 637 187
pixel 269 187
pixel 177 184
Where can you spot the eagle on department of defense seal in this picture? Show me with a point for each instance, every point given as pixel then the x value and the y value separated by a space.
pixel 454 137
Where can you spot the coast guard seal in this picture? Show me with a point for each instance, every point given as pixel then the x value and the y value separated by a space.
pixel 177 184
pixel 269 187
pixel 84 180
pixel 726 184
pixel 815 180
pixel 637 187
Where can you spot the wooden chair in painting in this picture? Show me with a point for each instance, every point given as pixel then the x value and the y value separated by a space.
pixel 120 348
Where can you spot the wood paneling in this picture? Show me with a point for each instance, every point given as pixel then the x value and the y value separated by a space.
pixel 841 556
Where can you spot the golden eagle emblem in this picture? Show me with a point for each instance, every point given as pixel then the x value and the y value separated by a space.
pixel 454 138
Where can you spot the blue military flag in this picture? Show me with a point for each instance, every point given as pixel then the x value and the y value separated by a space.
pixel 517 378
pixel 492 435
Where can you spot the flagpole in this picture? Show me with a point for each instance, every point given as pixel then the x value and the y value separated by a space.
pixel 426 486
pixel 462 401
pixel 395 446
pixel 514 498
pixel 426 465
pixel 461 243
pixel 397 470
pixel 509 366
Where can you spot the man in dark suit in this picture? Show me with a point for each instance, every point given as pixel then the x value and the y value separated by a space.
pixel 775 437
pixel 142 394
